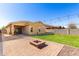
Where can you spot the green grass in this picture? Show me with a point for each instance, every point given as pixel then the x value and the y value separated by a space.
pixel 72 40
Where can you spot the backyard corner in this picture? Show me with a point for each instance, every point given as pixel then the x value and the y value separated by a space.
pixel 71 40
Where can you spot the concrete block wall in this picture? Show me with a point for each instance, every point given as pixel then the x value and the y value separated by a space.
pixel 65 31
pixel 74 31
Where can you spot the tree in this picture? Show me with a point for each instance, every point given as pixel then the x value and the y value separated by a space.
pixel 72 26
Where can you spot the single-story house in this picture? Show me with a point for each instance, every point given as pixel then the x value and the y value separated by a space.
pixel 25 27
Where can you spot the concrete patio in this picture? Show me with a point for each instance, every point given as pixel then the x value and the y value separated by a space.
pixel 19 46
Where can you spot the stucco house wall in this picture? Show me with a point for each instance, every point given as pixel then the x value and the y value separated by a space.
pixel 37 28
pixel 35 31
pixel 25 30
pixel 7 30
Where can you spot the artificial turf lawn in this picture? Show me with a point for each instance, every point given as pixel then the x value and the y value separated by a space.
pixel 72 40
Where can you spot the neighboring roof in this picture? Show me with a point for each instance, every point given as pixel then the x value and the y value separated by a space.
pixel 54 27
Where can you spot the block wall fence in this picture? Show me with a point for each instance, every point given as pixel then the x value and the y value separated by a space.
pixel 65 31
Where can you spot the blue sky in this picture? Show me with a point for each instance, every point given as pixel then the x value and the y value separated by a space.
pixel 52 13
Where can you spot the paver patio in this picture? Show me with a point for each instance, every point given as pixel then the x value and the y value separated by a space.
pixel 20 47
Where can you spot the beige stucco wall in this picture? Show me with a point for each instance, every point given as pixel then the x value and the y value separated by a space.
pixel 27 28
pixel 12 29
pixel 8 30
pixel 36 29
pixel 18 24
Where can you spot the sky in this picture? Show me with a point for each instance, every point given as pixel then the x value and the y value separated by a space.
pixel 49 13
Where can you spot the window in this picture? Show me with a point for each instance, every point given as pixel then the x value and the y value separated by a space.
pixel 32 29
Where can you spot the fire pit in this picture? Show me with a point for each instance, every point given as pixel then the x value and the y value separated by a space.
pixel 37 41
pixel 39 44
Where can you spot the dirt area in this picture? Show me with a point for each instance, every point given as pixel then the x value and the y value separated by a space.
pixel 21 47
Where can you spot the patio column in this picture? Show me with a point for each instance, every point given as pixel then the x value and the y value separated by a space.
pixel 12 30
